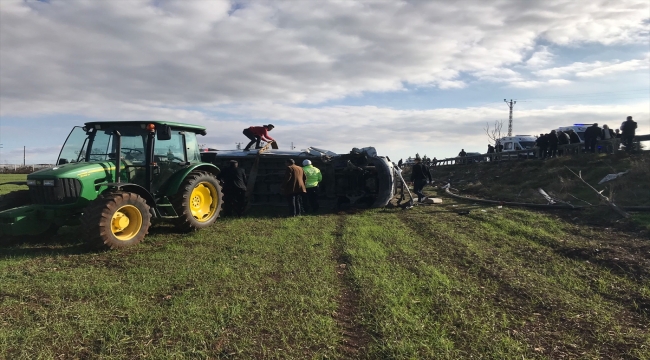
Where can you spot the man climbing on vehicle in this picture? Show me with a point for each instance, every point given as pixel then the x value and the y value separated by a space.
pixel 257 134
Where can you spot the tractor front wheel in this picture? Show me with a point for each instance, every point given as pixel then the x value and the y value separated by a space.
pixel 116 220
pixel 198 201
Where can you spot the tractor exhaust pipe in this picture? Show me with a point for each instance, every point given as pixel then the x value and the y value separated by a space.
pixel 118 156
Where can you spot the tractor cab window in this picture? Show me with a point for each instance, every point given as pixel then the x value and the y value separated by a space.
pixel 192 146
pixel 518 147
pixel 74 148
pixel 170 151
pixel 132 148
pixel 507 146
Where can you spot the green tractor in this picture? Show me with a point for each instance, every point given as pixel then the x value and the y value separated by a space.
pixel 112 179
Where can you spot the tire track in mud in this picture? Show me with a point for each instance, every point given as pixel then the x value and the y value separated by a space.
pixel 355 339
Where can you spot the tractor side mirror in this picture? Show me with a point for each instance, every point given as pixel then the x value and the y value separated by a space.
pixel 164 132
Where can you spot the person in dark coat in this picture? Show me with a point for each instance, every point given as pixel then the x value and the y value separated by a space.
pixel 293 187
pixel 542 144
pixel 399 163
pixel 562 139
pixel 234 189
pixel 498 146
pixel 490 151
pixel 419 175
pixel 574 137
pixel 462 154
pixel 591 137
pixel 552 143
pixel 628 129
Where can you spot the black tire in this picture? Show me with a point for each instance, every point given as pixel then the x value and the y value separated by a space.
pixel 198 201
pixel 116 220
pixel 15 199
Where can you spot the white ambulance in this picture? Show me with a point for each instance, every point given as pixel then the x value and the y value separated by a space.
pixel 578 128
pixel 517 142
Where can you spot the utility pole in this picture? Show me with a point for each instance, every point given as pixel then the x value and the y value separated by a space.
pixel 510 105
pixel 24 156
pixel 292 147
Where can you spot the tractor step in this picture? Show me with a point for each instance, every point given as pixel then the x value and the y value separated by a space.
pixel 166 211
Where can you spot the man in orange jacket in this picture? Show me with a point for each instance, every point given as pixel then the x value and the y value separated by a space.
pixel 256 134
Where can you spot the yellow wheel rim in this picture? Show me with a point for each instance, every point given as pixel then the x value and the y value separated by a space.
pixel 203 201
pixel 126 222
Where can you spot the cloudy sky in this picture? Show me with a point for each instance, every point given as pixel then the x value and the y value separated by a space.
pixel 403 76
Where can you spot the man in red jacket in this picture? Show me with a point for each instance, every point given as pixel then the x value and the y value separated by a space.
pixel 256 134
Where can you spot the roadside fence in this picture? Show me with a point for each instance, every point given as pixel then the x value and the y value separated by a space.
pixel 605 146
pixel 22 169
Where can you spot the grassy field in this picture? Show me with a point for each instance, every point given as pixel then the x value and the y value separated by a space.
pixel 11 178
pixel 425 283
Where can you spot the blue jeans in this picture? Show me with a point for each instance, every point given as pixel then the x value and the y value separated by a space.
pixel 295 204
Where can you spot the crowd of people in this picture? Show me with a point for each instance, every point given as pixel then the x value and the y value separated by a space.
pixel 548 143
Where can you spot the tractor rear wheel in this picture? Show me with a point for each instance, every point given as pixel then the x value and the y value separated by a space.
pixel 116 220
pixel 198 201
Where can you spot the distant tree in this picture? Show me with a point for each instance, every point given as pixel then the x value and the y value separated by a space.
pixel 494 131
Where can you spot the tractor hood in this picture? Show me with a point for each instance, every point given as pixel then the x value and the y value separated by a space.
pixel 80 170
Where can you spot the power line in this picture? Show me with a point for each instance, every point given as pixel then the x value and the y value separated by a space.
pixel 587 95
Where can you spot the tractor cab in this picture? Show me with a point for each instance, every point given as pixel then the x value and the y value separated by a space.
pixel 148 152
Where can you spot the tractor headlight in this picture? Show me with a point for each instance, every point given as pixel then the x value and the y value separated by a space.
pixel 48 182
pixel 31 182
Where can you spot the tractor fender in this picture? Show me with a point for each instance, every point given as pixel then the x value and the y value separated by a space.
pixel 133 188
pixel 171 186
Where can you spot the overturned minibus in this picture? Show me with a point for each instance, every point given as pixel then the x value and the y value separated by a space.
pixel 359 178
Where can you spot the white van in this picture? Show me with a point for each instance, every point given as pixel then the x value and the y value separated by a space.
pixel 578 128
pixel 517 142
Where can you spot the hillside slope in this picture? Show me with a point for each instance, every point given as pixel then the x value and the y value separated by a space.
pixel 520 180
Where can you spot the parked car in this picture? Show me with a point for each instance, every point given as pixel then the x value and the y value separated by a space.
pixel 474 157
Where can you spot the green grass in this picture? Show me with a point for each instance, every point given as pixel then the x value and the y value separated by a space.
pixel 425 283
pixel 4 189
